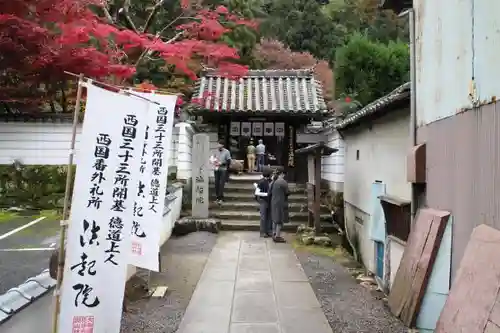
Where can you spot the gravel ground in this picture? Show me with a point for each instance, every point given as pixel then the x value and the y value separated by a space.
pixel 348 306
pixel 183 260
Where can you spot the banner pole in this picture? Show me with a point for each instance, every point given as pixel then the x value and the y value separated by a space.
pixel 65 214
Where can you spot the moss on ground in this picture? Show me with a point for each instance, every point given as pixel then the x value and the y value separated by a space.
pixel 7 216
pixel 337 253
pixel 51 214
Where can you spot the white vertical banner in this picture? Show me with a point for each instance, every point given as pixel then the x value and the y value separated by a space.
pixel 235 128
pixel 99 238
pixel 246 129
pixel 257 129
pixel 150 197
pixel 268 129
pixel 279 129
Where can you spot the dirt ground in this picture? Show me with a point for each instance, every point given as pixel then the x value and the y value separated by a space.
pixel 183 260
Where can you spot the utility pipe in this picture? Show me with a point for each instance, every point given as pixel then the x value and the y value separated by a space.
pixel 413 103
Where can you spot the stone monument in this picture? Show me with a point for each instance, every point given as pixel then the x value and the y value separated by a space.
pixel 199 220
pixel 200 172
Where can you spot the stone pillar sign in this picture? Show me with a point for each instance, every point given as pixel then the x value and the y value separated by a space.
pixel 200 169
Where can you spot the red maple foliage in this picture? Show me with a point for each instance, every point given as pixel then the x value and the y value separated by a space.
pixel 148 87
pixel 275 55
pixel 40 39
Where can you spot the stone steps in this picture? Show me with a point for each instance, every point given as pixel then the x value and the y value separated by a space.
pixel 241 179
pixel 248 187
pixel 247 225
pixel 254 215
pixel 240 210
pixel 232 196
pixel 252 205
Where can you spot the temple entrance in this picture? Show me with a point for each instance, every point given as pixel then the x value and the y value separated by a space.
pixel 242 132
pixel 274 149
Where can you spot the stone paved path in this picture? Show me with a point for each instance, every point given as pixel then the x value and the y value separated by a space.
pixel 251 285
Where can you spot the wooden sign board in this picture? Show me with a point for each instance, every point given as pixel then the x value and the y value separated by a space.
pixel 416 265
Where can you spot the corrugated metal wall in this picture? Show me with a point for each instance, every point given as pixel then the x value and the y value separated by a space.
pixel 463 171
pixel 486 48
pixel 443 57
pixel 456 41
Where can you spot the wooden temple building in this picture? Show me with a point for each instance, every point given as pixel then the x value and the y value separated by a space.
pixel 273 105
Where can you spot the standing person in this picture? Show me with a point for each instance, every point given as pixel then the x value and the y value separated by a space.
pixel 222 161
pixel 251 156
pixel 261 154
pixel 279 203
pixel 261 193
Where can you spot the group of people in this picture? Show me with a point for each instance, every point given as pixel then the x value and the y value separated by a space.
pixel 272 194
pixel 271 191
pixel 256 154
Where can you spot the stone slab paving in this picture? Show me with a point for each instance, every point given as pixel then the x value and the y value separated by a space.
pixel 251 285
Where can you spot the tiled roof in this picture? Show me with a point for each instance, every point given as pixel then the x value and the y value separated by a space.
pixel 380 105
pixel 262 91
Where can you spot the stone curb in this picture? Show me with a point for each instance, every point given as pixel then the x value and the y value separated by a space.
pixel 16 299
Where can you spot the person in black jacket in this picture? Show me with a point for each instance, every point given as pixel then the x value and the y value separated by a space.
pixel 278 201
pixel 261 196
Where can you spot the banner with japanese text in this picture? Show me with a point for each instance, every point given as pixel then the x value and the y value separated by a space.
pixel 149 204
pixel 99 234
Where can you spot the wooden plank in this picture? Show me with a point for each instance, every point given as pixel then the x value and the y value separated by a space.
pixel 474 291
pixel 404 274
pixel 416 265
pixel 424 268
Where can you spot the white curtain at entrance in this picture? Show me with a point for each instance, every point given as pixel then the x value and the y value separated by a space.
pixel 257 129
pixel 246 129
pixel 268 129
pixel 235 128
pixel 279 129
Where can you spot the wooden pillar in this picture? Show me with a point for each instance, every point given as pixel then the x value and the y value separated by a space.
pixel 317 190
pixel 289 160
pixel 311 191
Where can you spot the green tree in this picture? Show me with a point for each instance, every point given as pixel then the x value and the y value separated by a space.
pixel 365 16
pixel 366 70
pixel 302 26
pixel 242 37
pixel 251 9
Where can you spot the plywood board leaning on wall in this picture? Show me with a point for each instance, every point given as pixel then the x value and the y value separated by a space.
pixel 473 305
pixel 416 264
